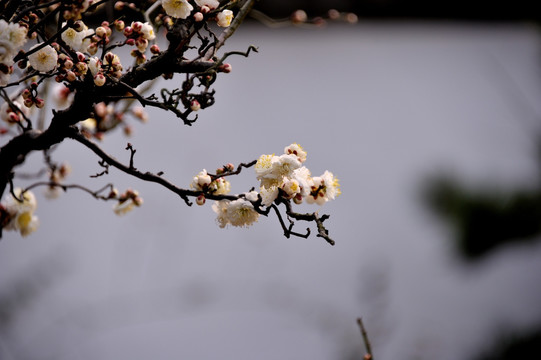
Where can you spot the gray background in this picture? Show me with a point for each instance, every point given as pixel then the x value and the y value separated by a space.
pixel 384 107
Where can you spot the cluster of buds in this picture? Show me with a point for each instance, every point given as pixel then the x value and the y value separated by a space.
pixel 102 36
pixel 75 8
pixel 12 113
pixel 56 175
pixel 139 34
pixel 30 97
pixel 127 201
pixel 216 185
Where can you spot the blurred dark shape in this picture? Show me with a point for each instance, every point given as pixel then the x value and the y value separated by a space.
pixel 480 10
pixel 524 346
pixel 485 219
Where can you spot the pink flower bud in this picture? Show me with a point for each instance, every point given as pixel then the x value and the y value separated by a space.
pixel 200 200
pixel 137 26
pixel 130 42
pixel 26 94
pixel 230 167
pixel 155 49
pixel 13 117
pixel 28 102
pixel 101 32
pixel 99 79
pixel 299 16
pixel 205 9
pixel 119 5
pixel 195 105
pixel 70 76
pixel 68 64
pixel 128 31
pixel 40 103
pixel 81 57
pixel 226 68
pixel 198 16
pixel 119 25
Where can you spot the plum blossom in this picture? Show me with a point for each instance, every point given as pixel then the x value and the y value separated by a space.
pixel 211 4
pixel 20 212
pixel 77 40
pixel 239 213
pixel 224 18
pixel 297 150
pixel 177 8
pixel 43 60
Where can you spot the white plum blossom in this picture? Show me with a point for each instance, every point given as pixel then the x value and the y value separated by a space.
pixel 291 187
pixel 323 189
pixel 148 31
pixel 211 4
pixel 77 40
pixel 20 210
pixel 94 64
pixel 296 150
pixel 220 186
pixel 43 60
pixel 241 213
pixel 263 166
pixel 201 181
pixel 268 194
pixel 220 208
pixel 224 18
pixel 177 8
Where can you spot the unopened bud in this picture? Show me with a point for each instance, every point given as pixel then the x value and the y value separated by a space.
pixel 68 64
pixel 198 16
pixel 334 14
pixel 99 79
pixel 119 25
pixel 155 49
pixel 205 9
pixel 28 102
pixel 128 31
pixel 195 105
pixel 13 117
pixel 119 5
pixel 26 94
pixel 226 68
pixel 101 32
pixel 200 200
pixel 70 76
pixel 230 167
pixel 40 103
pixel 299 16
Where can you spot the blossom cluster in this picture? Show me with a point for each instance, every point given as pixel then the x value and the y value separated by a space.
pixel 12 39
pixel 182 9
pixel 282 178
pixel 17 212
pixel 285 176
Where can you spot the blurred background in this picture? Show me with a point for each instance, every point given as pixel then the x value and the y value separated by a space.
pixel 430 117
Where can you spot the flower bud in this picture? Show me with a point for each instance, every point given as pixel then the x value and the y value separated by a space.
pixel 68 64
pixel 99 79
pixel 200 200
pixel 128 31
pixel 198 16
pixel 70 76
pixel 28 102
pixel 299 16
pixel 226 68
pixel 26 94
pixel 119 25
pixel 13 117
pixel 195 105
pixel 119 5
pixel 40 103
pixel 155 49
pixel 101 32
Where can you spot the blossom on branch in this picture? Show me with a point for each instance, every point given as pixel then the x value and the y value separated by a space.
pixel 224 18
pixel 18 212
pixel 43 60
pixel 177 8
